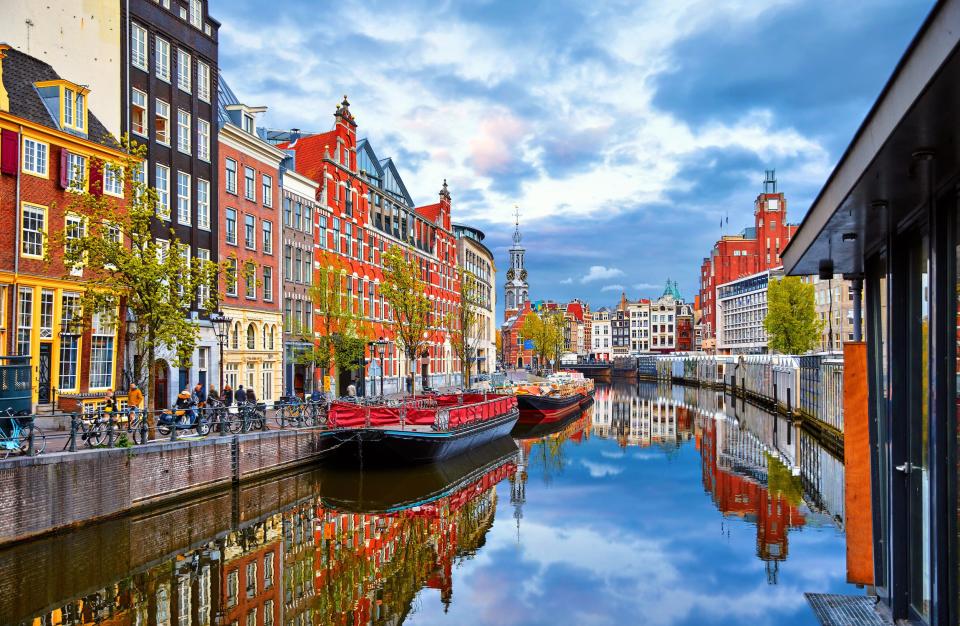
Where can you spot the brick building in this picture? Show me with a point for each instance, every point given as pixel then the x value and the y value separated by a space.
pixel 51 144
pixel 371 210
pixel 250 246
pixel 754 250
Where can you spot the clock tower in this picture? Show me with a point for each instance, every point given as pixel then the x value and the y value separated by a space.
pixel 516 290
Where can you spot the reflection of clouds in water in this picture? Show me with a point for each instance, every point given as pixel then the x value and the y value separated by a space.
pixel 609 454
pixel 646 456
pixel 601 470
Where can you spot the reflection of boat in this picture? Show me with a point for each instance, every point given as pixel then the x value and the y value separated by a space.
pixel 535 429
pixel 432 429
pixel 562 395
pixel 385 490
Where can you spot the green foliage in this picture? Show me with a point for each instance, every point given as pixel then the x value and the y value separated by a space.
pixel 465 331
pixel 792 324
pixel 546 331
pixel 127 265
pixel 406 292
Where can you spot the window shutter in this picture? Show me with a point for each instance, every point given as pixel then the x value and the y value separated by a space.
pixel 9 152
pixel 64 178
pixel 96 177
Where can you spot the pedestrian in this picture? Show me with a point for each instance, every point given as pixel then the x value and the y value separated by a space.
pixel 227 394
pixel 241 395
pixel 135 399
pixel 352 390
pixel 251 397
pixel 197 396
pixel 184 407
pixel 213 396
pixel 109 403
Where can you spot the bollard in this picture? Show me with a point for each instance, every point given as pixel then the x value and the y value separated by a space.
pixel 223 415
pixel 244 419
pixel 110 430
pixel 263 422
pixel 173 427
pixel 30 437
pixel 144 430
pixel 73 432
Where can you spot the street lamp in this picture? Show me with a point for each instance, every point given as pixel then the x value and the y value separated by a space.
pixel 221 327
pixel 381 349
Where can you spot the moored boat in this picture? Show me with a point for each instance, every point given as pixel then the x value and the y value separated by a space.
pixel 417 431
pixel 558 397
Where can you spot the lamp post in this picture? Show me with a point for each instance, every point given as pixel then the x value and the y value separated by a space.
pixel 381 348
pixel 221 327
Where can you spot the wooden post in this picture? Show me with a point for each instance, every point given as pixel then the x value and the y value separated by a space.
pixel 856 458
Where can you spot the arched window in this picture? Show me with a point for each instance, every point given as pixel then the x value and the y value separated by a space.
pixel 235 344
pixel 510 300
pixel 272 331
pixel 265 338
pixel 251 337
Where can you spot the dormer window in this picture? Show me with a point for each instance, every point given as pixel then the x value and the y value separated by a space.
pixel 248 123
pixel 67 102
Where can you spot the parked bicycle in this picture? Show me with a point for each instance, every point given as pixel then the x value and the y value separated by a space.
pixel 15 433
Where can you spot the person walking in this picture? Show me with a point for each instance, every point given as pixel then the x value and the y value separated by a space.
pixel 110 403
pixel 251 397
pixel 240 396
pixel 197 395
pixel 227 394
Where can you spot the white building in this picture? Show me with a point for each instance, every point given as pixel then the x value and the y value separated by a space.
pixel 476 260
pixel 741 309
pixel 638 314
pixel 600 335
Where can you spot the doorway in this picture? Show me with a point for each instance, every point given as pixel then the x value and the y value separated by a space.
pixel 43 374
pixel 161 385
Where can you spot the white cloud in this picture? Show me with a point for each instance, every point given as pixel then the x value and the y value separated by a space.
pixel 566 281
pixel 642 286
pixel 612 288
pixel 599 272
pixel 601 470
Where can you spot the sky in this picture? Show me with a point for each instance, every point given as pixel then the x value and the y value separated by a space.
pixel 624 131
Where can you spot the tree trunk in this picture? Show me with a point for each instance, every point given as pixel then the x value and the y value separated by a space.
pixel 148 392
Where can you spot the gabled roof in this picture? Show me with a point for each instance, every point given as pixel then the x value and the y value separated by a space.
pixel 429 212
pixel 20 72
pixel 390 173
pixel 310 152
pixel 574 309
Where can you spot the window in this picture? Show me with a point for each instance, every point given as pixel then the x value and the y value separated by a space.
pixel 232 275
pixel 248 123
pixel 250 283
pixel 267 190
pixel 252 613
pixel 183 70
pixel 231 226
pixel 183 198
pixel 231 176
pixel 74 112
pixel 76 172
pixel 251 577
pixel 287 256
pixel 161 122
pixel 203 81
pixel 35 157
pixel 203 291
pixel 101 353
pixel 307 268
pixel 203 140
pixel 268 605
pixel 307 217
pixel 268 284
pixel 287 314
pixel 196 13
pixel 268 558
pixel 298 215
pixel 163 60
pixel 138 112
pixel 68 344
pixel 183 131
pixel 163 191
pixel 73 230
pixel 297 268
pixel 249 232
pixel 287 211
pixel 203 204
pixel 24 320
pixel 33 228
pixel 249 191
pixel 113 180
pixel 233 578
pixel 267 228
pixel 138 46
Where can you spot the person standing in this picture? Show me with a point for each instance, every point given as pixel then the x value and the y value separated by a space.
pixel 241 395
pixel 227 394
pixel 135 399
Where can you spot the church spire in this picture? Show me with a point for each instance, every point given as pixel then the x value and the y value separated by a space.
pixel 516 226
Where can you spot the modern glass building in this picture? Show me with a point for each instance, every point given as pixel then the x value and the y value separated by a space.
pixel 890 213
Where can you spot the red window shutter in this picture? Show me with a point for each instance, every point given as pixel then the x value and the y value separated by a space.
pixel 64 178
pixel 9 152
pixel 96 177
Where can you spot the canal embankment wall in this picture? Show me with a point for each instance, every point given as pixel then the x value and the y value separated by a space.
pixel 103 553
pixel 50 492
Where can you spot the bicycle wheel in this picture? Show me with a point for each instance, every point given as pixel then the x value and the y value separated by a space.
pixel 284 415
pixel 96 434
pixel 235 423
pixel 202 427
pixel 39 441
pixel 135 433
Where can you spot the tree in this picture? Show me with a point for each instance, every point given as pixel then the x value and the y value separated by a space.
pixel 465 334
pixel 792 324
pixel 545 330
pixel 405 291
pixel 156 280
pixel 341 328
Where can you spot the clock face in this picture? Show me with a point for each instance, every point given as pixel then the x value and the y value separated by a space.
pixel 510 274
pixel 523 274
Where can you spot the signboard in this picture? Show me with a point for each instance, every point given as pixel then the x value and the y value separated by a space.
pixel 528 344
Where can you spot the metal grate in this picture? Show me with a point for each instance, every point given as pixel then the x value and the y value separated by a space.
pixel 837 610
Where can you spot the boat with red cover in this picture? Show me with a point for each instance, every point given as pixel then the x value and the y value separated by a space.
pixel 560 396
pixel 421 430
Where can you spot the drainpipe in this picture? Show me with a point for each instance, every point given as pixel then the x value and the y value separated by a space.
pixel 857 309
pixel 12 336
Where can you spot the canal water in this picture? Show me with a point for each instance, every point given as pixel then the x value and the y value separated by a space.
pixel 657 505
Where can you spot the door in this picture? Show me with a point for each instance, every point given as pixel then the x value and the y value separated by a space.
pixel 915 469
pixel 43 374
pixel 160 385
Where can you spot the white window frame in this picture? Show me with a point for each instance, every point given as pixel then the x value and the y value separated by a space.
pixel 203 204
pixel 183 198
pixel 183 131
pixel 162 60
pixel 203 290
pixel 267 184
pixel 68 234
pixel 196 14
pixel 266 228
pixel 203 81
pixel 138 46
pixel 76 172
pixel 203 140
pixel 250 183
pixel 138 101
pixel 234 266
pixel 230 177
pixel 226 226
pixel 162 111
pixel 112 180
pixel 163 190
pixel 184 61
pixel 39 165
pixel 267 284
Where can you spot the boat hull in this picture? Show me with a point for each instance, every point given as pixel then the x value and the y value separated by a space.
pixel 542 409
pixel 373 447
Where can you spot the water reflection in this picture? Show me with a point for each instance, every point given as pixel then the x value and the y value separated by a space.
pixel 657 505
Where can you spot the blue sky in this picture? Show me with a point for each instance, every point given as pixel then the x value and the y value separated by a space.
pixel 623 130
